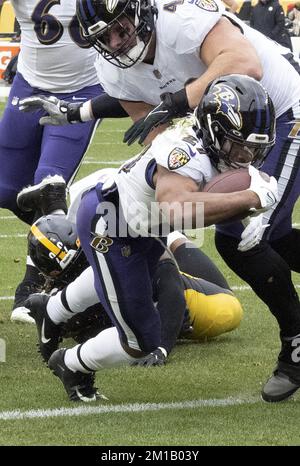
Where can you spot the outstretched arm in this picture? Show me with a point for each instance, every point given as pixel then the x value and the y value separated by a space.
pixel 61 112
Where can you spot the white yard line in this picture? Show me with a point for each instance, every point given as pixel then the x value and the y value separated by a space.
pixel 124 408
pixel 17 235
pixel 102 162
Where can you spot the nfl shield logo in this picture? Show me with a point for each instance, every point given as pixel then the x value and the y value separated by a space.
pixel 157 74
pixel 126 251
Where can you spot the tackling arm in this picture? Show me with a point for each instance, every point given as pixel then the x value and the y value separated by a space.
pixel 225 51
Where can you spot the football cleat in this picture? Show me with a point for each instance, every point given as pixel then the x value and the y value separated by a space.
pixel 284 382
pixel 49 334
pixel 47 196
pixel 20 312
pixel 78 385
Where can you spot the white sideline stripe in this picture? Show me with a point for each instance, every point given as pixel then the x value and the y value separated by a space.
pixel 133 408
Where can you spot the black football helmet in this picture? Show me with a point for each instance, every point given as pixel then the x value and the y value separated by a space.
pixel 236 118
pixel 55 249
pixel 98 17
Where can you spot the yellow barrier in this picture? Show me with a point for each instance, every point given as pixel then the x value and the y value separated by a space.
pixel 7 19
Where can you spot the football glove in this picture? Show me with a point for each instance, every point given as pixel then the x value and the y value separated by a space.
pixel 171 106
pixel 253 232
pixel 59 112
pixel 266 189
pixel 156 358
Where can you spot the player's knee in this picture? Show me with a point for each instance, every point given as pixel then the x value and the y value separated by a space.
pixel 222 313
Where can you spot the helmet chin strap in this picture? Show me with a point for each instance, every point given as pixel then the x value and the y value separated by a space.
pixel 136 54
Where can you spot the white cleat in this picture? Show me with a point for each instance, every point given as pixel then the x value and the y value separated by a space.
pixel 21 314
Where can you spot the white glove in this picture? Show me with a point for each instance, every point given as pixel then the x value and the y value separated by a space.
pixel 60 112
pixel 267 190
pixel 253 232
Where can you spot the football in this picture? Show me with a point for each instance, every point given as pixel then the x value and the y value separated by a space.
pixel 230 182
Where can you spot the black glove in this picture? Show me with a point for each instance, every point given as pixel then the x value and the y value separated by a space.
pixel 59 112
pixel 156 358
pixel 171 106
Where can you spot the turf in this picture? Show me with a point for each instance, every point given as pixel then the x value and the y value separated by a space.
pixel 231 368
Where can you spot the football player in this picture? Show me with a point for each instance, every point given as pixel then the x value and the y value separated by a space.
pixel 147 52
pixel 121 223
pixel 191 307
pixel 54 60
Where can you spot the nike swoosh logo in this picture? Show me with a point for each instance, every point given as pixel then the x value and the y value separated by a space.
pixel 192 153
pixel 84 398
pixel 78 98
pixel 43 338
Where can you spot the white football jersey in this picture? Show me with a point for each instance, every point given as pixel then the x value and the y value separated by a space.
pixel 178 150
pixel 77 189
pixel 54 57
pixel 180 31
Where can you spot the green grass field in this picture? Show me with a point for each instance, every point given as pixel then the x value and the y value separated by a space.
pixel 207 394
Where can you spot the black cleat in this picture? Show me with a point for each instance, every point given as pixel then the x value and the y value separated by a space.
pixel 286 378
pixel 49 334
pixel 20 312
pixel 284 382
pixel 48 195
pixel 79 386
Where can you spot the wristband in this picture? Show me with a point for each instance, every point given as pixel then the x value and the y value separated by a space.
pixel 85 111
pixel 174 236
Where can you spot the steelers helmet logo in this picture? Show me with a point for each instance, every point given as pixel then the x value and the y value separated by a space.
pixel 177 158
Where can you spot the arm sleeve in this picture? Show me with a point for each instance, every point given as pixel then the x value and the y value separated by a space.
pixel 104 106
pixel 168 288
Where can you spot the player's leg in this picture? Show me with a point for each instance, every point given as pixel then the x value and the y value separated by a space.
pixel 51 312
pixel 124 287
pixel 20 142
pixel 288 247
pixel 193 261
pixel 169 295
pixel 263 268
pixel 62 151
